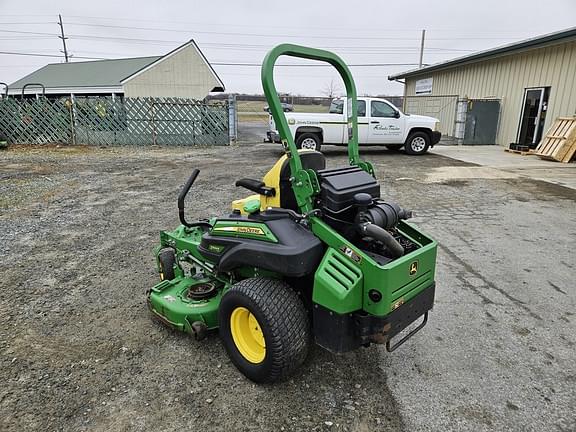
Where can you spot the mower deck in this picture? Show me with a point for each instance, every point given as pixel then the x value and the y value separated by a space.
pixel 173 303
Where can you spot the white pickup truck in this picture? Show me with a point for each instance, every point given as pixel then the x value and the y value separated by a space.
pixel 379 123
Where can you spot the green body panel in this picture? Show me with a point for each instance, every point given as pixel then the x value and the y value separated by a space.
pixel 338 283
pixel 168 300
pixel 395 281
pixel 183 240
pixel 392 280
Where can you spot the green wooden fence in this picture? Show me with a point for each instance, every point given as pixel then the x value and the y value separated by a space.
pixel 124 121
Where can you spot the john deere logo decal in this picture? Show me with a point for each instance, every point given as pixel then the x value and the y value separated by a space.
pixel 413 268
pixel 240 230
pixel 250 230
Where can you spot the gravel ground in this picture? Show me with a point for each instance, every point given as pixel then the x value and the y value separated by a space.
pixel 78 350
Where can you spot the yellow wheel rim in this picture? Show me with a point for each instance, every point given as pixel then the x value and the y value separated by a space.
pixel 247 335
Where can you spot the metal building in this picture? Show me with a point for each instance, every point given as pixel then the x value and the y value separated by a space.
pixel 509 94
pixel 182 73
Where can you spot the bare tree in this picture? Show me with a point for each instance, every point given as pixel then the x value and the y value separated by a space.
pixel 332 89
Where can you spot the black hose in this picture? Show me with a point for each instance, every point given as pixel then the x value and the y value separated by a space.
pixel 370 230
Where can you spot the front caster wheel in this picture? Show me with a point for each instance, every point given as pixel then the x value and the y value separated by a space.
pixel 264 328
pixel 166 261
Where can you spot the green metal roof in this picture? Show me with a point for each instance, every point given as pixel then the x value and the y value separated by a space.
pixel 537 42
pixel 98 73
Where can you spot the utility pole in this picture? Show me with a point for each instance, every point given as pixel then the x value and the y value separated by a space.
pixel 422 48
pixel 64 39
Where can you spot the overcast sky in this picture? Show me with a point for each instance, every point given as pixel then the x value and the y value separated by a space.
pixel 381 32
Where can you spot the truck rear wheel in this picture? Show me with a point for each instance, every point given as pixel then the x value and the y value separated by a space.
pixel 264 328
pixel 308 141
pixel 417 143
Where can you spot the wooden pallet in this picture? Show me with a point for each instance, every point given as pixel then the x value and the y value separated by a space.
pixel 559 144
pixel 520 152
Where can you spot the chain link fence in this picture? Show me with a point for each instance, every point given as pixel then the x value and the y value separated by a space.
pixel 123 121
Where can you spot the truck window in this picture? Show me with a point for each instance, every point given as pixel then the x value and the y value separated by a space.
pixel 382 109
pixel 337 107
pixel 361 108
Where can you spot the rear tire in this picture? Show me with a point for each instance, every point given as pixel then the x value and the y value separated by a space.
pixel 309 141
pixel 264 328
pixel 417 143
pixel 166 261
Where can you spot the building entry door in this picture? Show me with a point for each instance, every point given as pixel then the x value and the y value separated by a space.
pixel 533 116
pixel 481 121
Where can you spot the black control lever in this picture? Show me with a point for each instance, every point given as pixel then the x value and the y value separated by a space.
pixel 181 198
pixel 256 186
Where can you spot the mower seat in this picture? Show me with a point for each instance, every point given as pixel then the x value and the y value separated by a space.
pixel 275 189
pixel 311 159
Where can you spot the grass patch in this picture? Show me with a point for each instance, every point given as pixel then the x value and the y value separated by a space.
pixel 258 107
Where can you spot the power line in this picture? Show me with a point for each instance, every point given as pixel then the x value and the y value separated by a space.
pixel 223 63
pixel 230 45
pixel 47 55
pixel 317 65
pixel 273 35
pixel 29 32
pixel 19 38
pixel 164 41
pixel 275 26
pixel 25 23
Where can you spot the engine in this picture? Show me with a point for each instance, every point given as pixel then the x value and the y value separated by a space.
pixel 350 203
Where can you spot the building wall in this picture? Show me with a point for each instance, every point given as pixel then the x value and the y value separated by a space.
pixel 183 74
pixel 441 107
pixel 506 78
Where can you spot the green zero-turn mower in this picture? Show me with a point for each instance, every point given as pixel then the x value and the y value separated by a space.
pixel 315 255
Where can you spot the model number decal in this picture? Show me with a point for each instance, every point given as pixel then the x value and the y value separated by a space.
pixel 215 248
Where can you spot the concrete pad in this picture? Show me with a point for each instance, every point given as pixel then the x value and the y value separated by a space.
pixel 528 166
pixel 446 173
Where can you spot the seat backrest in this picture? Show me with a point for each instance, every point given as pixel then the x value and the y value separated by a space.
pixel 310 160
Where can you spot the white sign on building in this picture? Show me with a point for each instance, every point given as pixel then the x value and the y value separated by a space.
pixel 424 86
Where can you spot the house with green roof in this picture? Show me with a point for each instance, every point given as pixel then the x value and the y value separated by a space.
pixel 183 73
